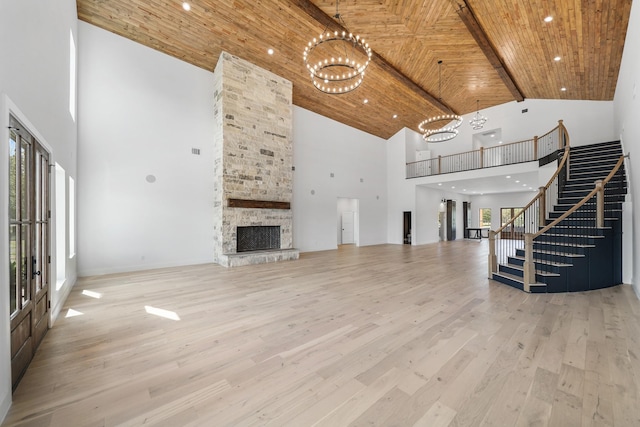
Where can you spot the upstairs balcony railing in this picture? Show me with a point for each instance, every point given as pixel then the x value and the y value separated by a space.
pixel 500 155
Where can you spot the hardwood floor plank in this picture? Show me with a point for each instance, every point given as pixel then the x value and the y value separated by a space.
pixel 355 336
pixel 438 415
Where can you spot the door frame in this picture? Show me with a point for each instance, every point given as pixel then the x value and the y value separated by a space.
pixel 348 204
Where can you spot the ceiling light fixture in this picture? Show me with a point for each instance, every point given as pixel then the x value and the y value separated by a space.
pixel 337 60
pixel 478 120
pixel 548 19
pixel 186 6
pixel 564 89
pixel 557 58
pixel 270 51
pixel 445 132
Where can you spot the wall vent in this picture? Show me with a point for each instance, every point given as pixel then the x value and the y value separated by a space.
pixel 195 151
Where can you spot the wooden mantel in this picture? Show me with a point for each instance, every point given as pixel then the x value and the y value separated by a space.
pixel 258 204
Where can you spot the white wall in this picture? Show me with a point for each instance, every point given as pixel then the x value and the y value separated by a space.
pixel 495 202
pixel 627 125
pixel 322 147
pixel 141 113
pixel 34 86
pixel 427 208
pixel 588 122
pixel 401 191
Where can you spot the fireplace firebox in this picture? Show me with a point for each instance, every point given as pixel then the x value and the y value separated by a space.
pixel 257 238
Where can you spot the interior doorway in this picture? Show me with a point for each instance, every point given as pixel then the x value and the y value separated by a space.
pixel 348 224
pixel 451 220
pixel 466 218
pixel 28 246
pixel 406 228
pixel 442 220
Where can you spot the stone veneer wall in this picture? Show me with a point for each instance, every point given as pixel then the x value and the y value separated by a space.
pixel 253 150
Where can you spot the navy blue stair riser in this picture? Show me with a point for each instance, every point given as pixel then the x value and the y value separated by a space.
pixel 540 265
pixel 508 281
pixel 565 204
pixel 582 223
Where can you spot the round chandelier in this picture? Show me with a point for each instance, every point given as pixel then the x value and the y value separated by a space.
pixel 478 120
pixel 449 123
pixel 336 61
pixel 443 133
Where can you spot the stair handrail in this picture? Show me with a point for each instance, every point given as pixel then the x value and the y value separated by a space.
pixel 529 274
pixel 540 192
pixel 563 142
pixel 599 186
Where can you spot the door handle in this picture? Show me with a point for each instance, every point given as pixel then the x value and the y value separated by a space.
pixel 34 273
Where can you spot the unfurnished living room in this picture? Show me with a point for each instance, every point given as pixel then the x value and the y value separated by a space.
pixel 338 213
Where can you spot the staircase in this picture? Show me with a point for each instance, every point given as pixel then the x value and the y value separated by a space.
pixel 576 255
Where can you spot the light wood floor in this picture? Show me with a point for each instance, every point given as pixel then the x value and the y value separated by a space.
pixel 385 335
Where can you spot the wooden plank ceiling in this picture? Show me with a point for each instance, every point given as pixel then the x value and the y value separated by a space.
pixel 494 51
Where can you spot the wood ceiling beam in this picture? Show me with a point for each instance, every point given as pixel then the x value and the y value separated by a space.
pixel 466 14
pixel 318 14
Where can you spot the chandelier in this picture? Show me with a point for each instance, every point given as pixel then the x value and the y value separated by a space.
pixel 450 122
pixel 336 60
pixel 478 120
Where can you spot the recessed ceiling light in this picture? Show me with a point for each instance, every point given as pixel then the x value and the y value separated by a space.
pixel 186 6
pixel 508 176
pixel 395 116
pixel 270 51
pixel 453 188
pixel 464 189
pixel 557 58
pixel 524 185
pixel 517 182
pixel 439 183
pixel 548 19
pixel 564 89
pixel 366 101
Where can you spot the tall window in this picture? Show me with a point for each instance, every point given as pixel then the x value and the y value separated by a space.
pixel 72 217
pixel 61 229
pixel 72 76
pixel 485 218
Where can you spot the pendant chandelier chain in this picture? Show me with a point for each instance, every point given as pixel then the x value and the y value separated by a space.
pixel 445 132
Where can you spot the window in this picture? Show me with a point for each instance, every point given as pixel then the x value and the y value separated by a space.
pixel 72 217
pixel 515 230
pixel 485 218
pixel 61 229
pixel 72 76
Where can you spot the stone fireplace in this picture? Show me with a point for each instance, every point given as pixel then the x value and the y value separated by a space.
pixel 253 178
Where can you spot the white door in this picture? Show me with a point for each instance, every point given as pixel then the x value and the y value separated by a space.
pixel 347 228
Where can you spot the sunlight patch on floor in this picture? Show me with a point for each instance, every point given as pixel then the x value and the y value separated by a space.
pixel 96 295
pixel 162 313
pixel 73 313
